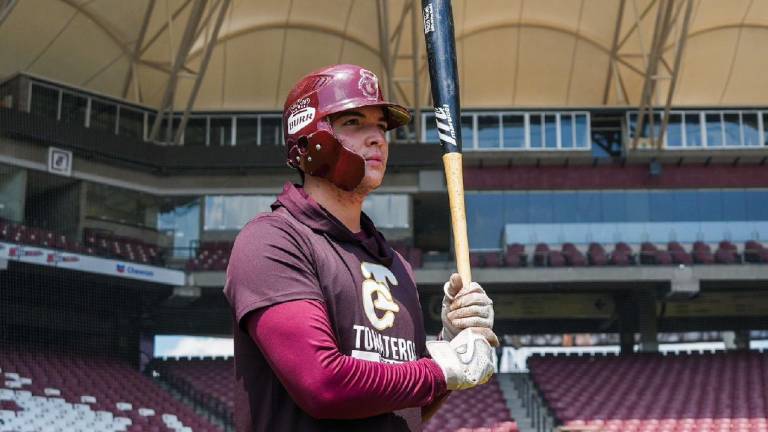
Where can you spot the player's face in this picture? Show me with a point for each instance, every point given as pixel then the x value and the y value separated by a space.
pixel 362 130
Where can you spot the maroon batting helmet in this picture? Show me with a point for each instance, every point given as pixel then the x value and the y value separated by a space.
pixel 307 129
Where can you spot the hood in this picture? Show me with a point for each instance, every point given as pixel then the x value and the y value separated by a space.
pixel 307 211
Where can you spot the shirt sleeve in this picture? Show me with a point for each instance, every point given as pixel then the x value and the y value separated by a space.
pixel 326 384
pixel 270 263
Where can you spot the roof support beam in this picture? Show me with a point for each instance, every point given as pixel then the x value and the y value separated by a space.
pixel 164 27
pixel 210 44
pixel 181 57
pixel 676 67
pixel 612 69
pixel 6 10
pixel 132 70
pixel 660 31
pixel 384 51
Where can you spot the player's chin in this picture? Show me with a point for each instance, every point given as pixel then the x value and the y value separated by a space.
pixel 372 180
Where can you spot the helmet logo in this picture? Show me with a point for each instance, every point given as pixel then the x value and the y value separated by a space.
pixel 368 84
pixel 300 119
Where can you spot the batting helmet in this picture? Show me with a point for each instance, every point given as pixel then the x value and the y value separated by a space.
pixel 309 137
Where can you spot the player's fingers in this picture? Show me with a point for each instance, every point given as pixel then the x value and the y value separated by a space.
pixel 453 286
pixel 474 298
pixel 469 311
pixel 472 322
pixel 488 334
pixel 474 287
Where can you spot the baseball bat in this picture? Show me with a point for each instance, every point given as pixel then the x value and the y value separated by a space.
pixel 443 74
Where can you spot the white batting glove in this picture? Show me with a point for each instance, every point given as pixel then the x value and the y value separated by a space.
pixel 464 309
pixel 466 361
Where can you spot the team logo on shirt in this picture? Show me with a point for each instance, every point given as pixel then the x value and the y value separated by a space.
pixel 377 297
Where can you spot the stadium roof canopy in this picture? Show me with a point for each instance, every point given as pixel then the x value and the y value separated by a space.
pixel 512 53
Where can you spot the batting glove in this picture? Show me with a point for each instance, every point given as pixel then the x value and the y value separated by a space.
pixel 470 308
pixel 466 361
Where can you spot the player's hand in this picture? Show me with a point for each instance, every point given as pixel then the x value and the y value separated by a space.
pixel 470 308
pixel 467 360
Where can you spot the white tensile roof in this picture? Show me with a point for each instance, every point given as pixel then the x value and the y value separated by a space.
pixel 511 53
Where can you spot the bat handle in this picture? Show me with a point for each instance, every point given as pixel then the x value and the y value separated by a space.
pixel 455 183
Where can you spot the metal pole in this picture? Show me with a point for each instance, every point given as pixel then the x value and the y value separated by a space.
pixel 650 73
pixel 181 57
pixel 614 51
pixel 210 45
pixel 676 67
pixel 132 72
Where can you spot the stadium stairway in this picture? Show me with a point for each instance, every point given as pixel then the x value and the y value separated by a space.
pixel 529 412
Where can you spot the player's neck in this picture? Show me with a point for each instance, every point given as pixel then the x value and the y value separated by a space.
pixel 344 206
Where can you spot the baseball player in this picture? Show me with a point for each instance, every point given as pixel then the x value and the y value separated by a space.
pixel 329 334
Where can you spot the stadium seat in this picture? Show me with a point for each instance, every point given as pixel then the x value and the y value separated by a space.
pixel 622 255
pixel 515 256
pixel 573 256
pixel 702 254
pixel 476 260
pixel 492 259
pixel 678 254
pixel 60 391
pixel 557 259
pixel 650 254
pixel 727 253
pixel 755 252
pixel 657 391
pixel 489 413
pixel 596 255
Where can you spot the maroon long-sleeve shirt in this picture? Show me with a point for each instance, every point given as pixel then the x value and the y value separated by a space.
pixel 327 384
pixel 329 334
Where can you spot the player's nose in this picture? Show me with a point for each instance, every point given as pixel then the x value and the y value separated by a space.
pixel 375 136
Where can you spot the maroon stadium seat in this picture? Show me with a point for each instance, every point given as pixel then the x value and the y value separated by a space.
pixel 755 252
pixel 515 255
pixel 650 254
pixel 492 259
pixel 702 254
pixel 727 253
pixel 582 391
pixel 596 255
pixel 622 255
pixel 557 259
pixel 678 254
pixel 573 256
pixel 109 381
pixel 488 399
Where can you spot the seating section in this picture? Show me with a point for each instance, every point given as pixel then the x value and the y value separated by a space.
pixel 481 409
pixel 656 393
pixel 211 256
pixel 214 256
pixel 58 392
pixel 21 234
pixel 125 248
pixel 209 382
pixel 595 254
pixel 96 242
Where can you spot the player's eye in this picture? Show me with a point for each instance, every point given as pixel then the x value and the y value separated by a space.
pixel 383 127
pixel 352 121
